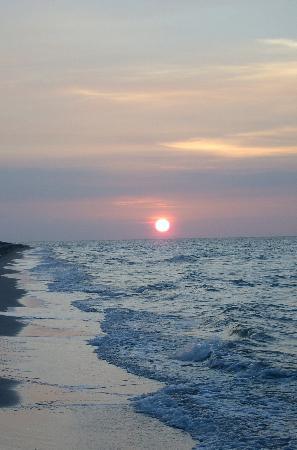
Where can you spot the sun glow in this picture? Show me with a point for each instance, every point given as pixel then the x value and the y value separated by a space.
pixel 162 225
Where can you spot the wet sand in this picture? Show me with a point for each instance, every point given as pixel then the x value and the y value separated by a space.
pixel 10 295
pixel 8 396
pixel 66 398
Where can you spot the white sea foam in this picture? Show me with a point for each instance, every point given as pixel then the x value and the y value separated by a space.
pixel 195 352
pixel 214 320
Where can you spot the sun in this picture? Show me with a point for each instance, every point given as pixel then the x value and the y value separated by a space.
pixel 162 225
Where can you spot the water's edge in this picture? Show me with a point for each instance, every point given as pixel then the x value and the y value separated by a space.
pixel 214 320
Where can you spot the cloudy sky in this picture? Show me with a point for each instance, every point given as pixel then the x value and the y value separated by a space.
pixel 114 113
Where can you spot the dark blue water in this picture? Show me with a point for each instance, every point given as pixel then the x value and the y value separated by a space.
pixel 215 319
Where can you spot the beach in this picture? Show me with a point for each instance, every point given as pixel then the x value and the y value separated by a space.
pixel 144 344
pixel 55 392
pixel 9 325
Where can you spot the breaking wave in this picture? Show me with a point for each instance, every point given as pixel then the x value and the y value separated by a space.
pixel 215 320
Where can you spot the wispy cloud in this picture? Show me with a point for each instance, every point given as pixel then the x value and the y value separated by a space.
pixel 143 202
pixel 237 146
pixel 285 136
pixel 169 84
pixel 262 71
pixel 272 132
pixel 133 96
pixel 288 43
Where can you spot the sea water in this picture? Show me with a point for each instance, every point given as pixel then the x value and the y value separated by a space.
pixel 214 319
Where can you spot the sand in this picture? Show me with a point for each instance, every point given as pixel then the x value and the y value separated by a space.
pixel 55 392
pixel 9 326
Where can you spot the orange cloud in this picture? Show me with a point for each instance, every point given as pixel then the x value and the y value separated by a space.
pixel 235 147
pixel 133 96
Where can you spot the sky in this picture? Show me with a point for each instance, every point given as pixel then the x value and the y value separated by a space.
pixel 115 113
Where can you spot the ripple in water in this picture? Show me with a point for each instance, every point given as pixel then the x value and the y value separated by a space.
pixel 214 319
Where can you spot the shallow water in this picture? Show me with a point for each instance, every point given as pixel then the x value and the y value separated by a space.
pixel 214 319
pixel 66 398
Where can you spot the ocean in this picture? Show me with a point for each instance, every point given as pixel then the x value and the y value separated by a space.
pixel 214 319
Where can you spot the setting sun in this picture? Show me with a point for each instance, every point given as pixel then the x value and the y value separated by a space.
pixel 162 225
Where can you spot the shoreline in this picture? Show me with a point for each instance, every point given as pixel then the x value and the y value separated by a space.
pixel 10 295
pixel 66 397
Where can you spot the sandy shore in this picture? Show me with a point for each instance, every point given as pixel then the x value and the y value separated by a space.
pixel 65 397
pixel 9 325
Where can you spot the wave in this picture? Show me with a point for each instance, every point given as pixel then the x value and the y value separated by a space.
pixel 227 360
pixel 242 283
pixel 210 413
pixel 144 343
pixel 182 259
pixel 86 305
pixel 247 332
pixel 61 275
pixel 105 292
pixel 161 286
pixel 196 352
